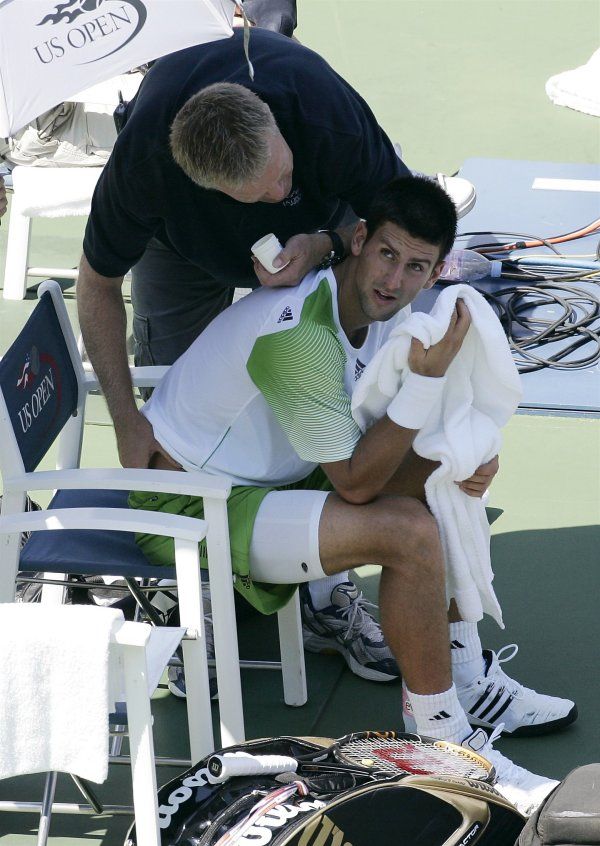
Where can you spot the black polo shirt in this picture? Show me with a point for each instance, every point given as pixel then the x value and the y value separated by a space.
pixel 341 156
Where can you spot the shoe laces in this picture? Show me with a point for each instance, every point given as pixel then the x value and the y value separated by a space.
pixel 505 658
pixel 360 621
pixel 502 656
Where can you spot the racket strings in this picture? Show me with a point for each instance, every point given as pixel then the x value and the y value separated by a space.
pixel 414 757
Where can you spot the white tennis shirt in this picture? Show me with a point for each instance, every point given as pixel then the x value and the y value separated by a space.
pixel 263 394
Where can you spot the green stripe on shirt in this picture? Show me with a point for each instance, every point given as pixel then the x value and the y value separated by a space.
pixel 300 372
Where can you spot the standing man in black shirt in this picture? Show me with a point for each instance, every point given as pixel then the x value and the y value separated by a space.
pixel 189 245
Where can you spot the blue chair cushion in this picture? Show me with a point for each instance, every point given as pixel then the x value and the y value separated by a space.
pixel 89 552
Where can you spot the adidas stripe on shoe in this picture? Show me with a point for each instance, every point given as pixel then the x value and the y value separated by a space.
pixel 493 698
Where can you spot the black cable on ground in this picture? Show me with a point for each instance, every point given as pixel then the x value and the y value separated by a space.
pixel 527 334
pixel 545 284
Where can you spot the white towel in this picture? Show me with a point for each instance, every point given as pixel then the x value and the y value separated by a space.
pixel 54 690
pixel 54 191
pixel 578 88
pixel 481 393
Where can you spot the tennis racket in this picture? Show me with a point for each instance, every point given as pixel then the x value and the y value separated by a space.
pixel 374 753
pixel 396 753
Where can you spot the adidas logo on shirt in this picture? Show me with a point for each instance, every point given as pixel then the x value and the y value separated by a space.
pixel 286 314
pixel 358 369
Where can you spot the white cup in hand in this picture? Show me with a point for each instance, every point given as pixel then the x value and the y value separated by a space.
pixel 265 250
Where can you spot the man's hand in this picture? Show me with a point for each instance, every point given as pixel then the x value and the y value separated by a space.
pixel 3 200
pixel 481 479
pixel 436 360
pixel 137 444
pixel 303 252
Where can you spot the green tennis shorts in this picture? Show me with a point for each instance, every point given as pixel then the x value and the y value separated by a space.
pixel 242 508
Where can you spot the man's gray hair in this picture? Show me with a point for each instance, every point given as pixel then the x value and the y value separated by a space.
pixel 221 135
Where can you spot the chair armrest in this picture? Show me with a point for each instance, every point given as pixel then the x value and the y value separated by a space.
pixel 193 483
pixel 147 376
pixel 132 634
pixel 141 377
pixel 107 519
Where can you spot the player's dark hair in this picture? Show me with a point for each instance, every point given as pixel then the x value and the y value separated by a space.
pixel 419 206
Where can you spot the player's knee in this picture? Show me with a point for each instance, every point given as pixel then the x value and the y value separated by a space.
pixel 411 538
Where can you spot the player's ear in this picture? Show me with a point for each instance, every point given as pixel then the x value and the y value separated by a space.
pixel 358 238
pixel 435 275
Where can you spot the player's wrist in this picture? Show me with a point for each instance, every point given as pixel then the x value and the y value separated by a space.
pixel 415 401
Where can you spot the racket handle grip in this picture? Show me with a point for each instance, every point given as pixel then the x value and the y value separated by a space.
pixel 222 767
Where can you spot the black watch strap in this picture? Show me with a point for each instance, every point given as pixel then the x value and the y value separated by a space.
pixel 337 253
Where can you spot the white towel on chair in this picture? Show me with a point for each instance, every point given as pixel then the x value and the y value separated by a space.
pixel 481 393
pixel 54 688
pixel 54 191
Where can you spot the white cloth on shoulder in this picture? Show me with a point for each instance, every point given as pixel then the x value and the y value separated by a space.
pixel 54 688
pixel 481 393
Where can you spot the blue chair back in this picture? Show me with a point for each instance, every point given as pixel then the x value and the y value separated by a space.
pixel 39 383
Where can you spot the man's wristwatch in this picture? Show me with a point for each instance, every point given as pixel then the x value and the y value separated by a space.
pixel 337 252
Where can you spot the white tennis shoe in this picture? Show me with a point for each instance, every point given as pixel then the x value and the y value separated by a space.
pixel 494 698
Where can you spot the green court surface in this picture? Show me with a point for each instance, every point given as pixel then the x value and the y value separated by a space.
pixel 449 81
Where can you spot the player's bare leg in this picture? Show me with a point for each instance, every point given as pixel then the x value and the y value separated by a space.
pixel 401 535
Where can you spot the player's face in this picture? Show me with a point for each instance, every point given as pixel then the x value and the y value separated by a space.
pixel 392 268
pixel 276 181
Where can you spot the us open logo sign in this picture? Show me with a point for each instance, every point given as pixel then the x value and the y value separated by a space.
pixel 39 382
pixel 86 31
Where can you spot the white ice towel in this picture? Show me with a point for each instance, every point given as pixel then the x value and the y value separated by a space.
pixel 481 393
pixel 54 688
pixel 54 191
pixel 578 88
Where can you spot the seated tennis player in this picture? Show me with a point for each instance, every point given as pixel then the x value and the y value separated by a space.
pixel 263 396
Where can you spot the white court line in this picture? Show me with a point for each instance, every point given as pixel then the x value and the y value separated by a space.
pixel 546 184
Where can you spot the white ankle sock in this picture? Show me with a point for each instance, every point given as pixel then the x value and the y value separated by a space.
pixel 320 590
pixel 465 646
pixel 440 715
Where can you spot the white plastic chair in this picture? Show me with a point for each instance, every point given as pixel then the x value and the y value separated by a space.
pixel 24 439
pixel 128 662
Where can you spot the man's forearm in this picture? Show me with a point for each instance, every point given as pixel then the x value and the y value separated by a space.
pixel 411 476
pixel 376 460
pixel 103 324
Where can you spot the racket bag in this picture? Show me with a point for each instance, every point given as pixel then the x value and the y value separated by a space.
pixel 570 815
pixel 340 807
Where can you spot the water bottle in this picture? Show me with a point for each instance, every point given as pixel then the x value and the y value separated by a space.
pixel 467 266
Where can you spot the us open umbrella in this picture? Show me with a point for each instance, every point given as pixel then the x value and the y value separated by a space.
pixel 50 50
